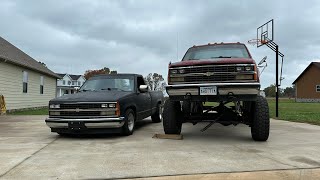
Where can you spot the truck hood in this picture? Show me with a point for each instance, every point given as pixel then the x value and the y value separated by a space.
pixel 213 62
pixel 91 96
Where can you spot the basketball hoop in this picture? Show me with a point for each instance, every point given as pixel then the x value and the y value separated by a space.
pixel 257 42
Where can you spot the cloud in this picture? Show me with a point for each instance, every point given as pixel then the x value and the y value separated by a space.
pixel 144 36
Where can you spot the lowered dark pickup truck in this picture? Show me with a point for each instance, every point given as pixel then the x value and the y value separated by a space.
pixel 105 103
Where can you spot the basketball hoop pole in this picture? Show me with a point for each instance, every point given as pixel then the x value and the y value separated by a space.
pixel 277 81
pixel 266 33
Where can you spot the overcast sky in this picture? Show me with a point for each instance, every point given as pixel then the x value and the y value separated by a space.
pixel 141 36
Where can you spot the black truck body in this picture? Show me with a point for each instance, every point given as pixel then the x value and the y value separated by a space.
pixel 105 103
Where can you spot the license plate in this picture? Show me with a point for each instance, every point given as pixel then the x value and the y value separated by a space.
pixel 210 90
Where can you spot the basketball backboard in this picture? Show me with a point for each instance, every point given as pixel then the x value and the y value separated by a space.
pixel 265 33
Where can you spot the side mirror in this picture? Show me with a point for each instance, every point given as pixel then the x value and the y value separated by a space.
pixel 143 88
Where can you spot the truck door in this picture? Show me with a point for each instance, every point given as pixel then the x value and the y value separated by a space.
pixel 143 101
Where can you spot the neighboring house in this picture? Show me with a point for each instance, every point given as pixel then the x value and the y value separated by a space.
pixel 24 82
pixel 308 84
pixel 69 83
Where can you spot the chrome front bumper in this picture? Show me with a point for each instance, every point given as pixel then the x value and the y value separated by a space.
pixel 222 88
pixel 88 123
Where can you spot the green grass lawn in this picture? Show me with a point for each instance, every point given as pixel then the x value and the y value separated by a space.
pixel 297 112
pixel 292 111
pixel 43 111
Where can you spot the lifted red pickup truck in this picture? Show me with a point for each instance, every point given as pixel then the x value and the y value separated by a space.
pixel 216 83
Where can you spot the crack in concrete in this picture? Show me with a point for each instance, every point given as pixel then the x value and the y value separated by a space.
pixel 2 175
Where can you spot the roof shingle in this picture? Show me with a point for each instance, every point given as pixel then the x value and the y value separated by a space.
pixel 14 55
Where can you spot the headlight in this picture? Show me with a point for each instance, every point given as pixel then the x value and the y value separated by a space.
pixel 177 79
pixel 108 113
pixel 174 71
pixel 244 77
pixel 240 68
pixel 54 106
pixel 111 105
pixel 54 113
pixel 181 71
pixel 249 68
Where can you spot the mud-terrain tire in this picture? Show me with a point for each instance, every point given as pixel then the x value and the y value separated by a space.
pixel 156 117
pixel 260 126
pixel 129 123
pixel 172 117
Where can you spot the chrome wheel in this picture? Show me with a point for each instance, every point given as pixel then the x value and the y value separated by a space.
pixel 130 122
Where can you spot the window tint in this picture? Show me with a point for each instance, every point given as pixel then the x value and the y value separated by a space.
pixel 217 51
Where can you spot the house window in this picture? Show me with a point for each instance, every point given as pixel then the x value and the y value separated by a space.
pixel 73 83
pixel 25 82
pixel 64 82
pixel 69 82
pixel 41 84
pixel 318 88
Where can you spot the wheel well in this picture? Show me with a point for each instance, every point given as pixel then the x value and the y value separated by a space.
pixel 134 110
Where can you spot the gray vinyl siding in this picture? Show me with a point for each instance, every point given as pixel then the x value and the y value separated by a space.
pixel 11 87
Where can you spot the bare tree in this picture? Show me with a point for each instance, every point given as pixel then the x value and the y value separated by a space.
pixel 155 82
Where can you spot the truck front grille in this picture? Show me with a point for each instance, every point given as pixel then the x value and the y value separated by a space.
pixel 213 78
pixel 80 106
pixel 81 113
pixel 205 69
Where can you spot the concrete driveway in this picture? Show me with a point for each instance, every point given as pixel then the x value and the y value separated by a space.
pixel 28 150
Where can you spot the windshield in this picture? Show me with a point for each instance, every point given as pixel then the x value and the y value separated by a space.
pixel 217 51
pixel 109 84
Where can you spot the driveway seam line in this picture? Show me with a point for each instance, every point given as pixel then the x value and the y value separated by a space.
pixel 2 175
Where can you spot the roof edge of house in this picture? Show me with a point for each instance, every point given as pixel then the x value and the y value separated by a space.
pixel 305 70
pixel 27 67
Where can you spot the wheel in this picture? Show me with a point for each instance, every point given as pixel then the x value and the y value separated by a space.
pixel 172 115
pixel 156 117
pixel 129 123
pixel 260 126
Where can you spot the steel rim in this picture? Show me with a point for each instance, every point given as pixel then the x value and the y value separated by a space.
pixel 160 112
pixel 130 122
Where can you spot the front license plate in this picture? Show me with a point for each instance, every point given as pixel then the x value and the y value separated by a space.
pixel 210 90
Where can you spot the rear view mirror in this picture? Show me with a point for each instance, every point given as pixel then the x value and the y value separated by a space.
pixel 143 88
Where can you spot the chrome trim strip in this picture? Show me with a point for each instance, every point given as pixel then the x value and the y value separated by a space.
pixel 213 73
pixel 57 125
pixel 237 91
pixel 213 66
pixel 84 110
pixel 238 81
pixel 176 92
pixel 213 84
pixel 105 125
pixel 86 120
pixel 86 103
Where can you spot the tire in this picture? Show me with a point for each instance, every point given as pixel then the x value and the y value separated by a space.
pixel 129 123
pixel 156 117
pixel 172 117
pixel 260 126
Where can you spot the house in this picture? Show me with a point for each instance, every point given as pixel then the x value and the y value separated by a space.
pixel 69 83
pixel 308 84
pixel 24 82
